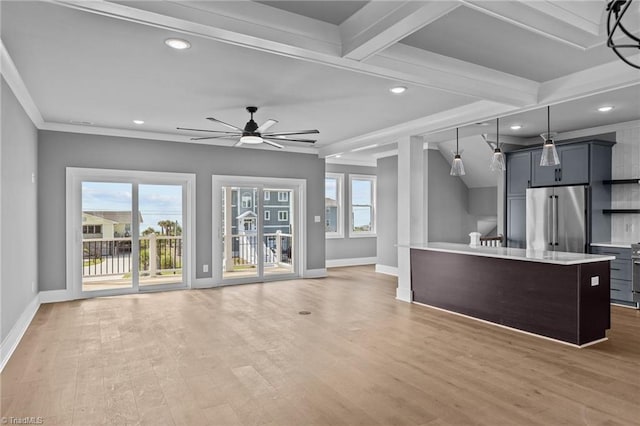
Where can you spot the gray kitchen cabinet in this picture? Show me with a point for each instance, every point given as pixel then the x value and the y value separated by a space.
pixel 518 173
pixel 573 168
pixel 620 272
pixel 516 222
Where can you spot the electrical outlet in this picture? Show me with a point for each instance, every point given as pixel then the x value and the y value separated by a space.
pixel 205 268
pixel 317 219
pixel 595 281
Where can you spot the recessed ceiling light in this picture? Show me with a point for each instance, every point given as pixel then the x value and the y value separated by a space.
pixel 516 127
pixel 338 155
pixel 398 90
pixel 81 123
pixel 177 43
pixel 138 121
pixel 605 108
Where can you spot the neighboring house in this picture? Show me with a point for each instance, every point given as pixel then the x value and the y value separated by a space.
pixel 107 224
pixel 331 215
pixel 276 211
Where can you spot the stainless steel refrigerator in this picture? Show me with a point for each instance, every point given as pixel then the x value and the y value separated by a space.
pixel 557 218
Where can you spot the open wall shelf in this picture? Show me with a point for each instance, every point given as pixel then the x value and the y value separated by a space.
pixel 621 181
pixel 625 211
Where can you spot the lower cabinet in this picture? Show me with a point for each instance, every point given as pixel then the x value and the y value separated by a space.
pixel 620 272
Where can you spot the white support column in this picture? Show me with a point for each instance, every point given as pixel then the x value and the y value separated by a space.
pixel 412 219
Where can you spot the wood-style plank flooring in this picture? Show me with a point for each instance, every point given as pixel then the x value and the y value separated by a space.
pixel 242 355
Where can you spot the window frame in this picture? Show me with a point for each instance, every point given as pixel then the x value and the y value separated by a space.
pixel 267 215
pixel 286 215
pixel 243 198
pixel 374 225
pixel 283 196
pixel 339 177
pixel 267 195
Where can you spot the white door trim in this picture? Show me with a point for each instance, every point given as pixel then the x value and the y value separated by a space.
pixel 75 176
pixel 299 186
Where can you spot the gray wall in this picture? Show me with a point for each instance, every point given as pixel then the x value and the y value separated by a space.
pixel 18 227
pixel 58 150
pixel 483 201
pixel 448 202
pixel 387 211
pixel 349 248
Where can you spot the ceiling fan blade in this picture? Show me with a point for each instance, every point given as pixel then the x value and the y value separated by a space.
pixel 215 137
pixel 209 131
pixel 289 140
pixel 231 126
pixel 268 142
pixel 297 132
pixel 266 125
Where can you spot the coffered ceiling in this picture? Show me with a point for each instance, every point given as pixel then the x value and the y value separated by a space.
pixel 313 64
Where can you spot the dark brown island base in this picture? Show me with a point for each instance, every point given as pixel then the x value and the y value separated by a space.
pixel 562 296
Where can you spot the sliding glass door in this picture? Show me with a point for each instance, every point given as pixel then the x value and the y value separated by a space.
pixel 127 233
pixel 258 232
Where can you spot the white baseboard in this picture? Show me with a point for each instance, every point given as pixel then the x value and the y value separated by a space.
pixel 404 294
pixel 388 270
pixel 52 296
pixel 315 273
pixel 10 342
pixel 356 261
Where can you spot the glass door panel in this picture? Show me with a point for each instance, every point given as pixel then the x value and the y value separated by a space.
pixel 107 244
pixel 240 249
pixel 160 234
pixel 278 226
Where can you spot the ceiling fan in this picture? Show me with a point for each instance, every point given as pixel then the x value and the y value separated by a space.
pixel 252 134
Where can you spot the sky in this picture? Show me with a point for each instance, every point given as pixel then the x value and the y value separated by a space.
pixel 157 202
pixel 360 194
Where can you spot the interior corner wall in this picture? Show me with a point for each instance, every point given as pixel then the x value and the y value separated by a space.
pixel 350 248
pixel 59 150
pixel 387 198
pixel 18 201
pixel 448 202
pixel 626 165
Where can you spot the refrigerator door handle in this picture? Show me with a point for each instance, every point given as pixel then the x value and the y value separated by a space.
pixel 550 220
pixel 555 220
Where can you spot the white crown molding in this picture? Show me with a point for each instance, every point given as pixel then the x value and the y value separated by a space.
pixel 14 80
pixel 352 161
pixel 610 128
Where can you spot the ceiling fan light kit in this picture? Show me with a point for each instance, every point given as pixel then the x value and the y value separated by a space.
pixel 252 133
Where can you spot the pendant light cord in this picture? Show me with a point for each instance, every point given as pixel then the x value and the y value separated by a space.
pixel 497 133
pixel 457 153
pixel 548 122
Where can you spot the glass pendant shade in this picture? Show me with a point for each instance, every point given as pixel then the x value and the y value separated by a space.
pixel 549 153
pixel 457 168
pixel 497 161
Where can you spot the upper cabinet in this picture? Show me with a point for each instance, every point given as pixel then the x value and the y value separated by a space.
pixel 518 173
pixel 573 168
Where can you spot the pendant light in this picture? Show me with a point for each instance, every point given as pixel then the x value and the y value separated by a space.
pixel 549 153
pixel 457 168
pixel 497 161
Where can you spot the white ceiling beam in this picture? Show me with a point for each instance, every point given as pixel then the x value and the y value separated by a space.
pixel 573 27
pixel 584 15
pixel 601 78
pixel 457 76
pixel 444 120
pixel 378 25
pixel 219 21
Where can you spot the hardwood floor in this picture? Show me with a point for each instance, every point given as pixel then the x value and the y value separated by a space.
pixel 243 355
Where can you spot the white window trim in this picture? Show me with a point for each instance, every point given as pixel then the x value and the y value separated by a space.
pixel 339 177
pixel 363 234
pixel 267 215
pixel 283 196
pixel 247 198
pixel 286 219
pixel 267 195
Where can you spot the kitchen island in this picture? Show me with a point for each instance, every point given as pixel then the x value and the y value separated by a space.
pixel 558 295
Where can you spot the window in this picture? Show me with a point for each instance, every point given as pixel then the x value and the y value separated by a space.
pixel 283 196
pixel 267 215
pixel 246 201
pixel 333 212
pixel 92 229
pixel 283 216
pixel 362 206
pixel 267 195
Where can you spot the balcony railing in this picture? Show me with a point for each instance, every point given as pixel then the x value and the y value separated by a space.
pixel 158 254
pixel 242 249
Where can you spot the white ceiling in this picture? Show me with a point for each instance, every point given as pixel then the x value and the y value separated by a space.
pixel 315 64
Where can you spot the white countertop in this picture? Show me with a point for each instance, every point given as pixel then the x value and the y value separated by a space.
pixel 555 257
pixel 620 244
